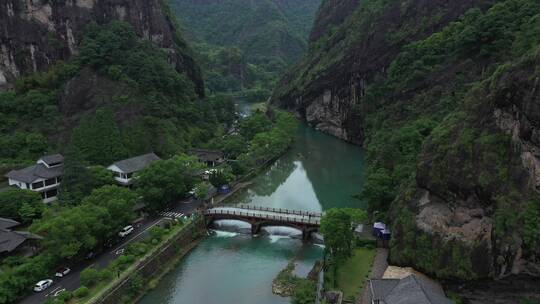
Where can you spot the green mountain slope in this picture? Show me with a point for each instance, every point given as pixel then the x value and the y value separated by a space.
pixel 444 97
pixel 126 88
pixel 245 45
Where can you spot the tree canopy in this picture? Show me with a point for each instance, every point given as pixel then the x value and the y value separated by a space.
pixel 167 180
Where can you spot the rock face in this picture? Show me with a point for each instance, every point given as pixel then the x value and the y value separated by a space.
pixel 464 199
pixel 34 34
pixel 328 87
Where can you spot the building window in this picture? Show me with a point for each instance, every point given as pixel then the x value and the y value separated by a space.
pixel 27 186
pixel 129 175
pixel 58 179
pixel 51 193
pixel 116 174
pixel 50 181
pixel 37 185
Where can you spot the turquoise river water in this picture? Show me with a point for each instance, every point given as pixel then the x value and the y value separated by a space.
pixel 319 172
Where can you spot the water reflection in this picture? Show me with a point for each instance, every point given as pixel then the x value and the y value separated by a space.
pixel 311 176
pixel 319 172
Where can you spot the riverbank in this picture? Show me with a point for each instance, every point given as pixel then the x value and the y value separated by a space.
pixel 153 265
pixel 229 267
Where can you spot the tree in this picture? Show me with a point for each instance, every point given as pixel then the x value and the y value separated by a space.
pixel 100 177
pixel 338 234
pixel 89 276
pixel 98 138
pixel 167 180
pixel 13 202
pixel 29 212
pixel 76 179
pixel 304 292
pixel 201 190
pixel 73 231
pixel 220 177
pixel 258 122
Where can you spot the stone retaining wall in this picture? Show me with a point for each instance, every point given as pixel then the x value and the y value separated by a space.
pixel 154 265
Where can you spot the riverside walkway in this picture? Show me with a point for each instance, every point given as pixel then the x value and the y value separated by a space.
pixel 257 216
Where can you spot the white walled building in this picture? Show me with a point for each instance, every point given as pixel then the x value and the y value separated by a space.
pixel 43 177
pixel 123 170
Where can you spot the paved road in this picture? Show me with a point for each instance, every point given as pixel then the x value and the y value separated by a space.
pixel 72 280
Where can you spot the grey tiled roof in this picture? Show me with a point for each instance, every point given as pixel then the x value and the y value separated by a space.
pixel 30 174
pixel 53 159
pixel 410 290
pixel 11 240
pixel 6 223
pixel 207 155
pixel 136 163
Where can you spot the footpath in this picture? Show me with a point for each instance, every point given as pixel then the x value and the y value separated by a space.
pixel 377 271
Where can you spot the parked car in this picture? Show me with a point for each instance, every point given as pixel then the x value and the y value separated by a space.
pixel 125 231
pixel 61 272
pixel 42 285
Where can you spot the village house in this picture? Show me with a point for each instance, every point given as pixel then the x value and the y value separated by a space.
pixel 123 170
pixel 409 290
pixel 16 242
pixel 211 158
pixel 43 177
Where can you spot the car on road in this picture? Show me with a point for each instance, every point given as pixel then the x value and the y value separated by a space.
pixel 42 285
pixel 125 231
pixel 61 272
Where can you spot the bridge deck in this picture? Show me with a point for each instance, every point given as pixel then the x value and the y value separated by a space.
pixel 280 215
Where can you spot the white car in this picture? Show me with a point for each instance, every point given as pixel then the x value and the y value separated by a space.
pixel 62 272
pixel 42 285
pixel 125 231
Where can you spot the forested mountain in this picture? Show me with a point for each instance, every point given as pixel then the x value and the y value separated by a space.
pixel 246 45
pixel 114 78
pixel 444 96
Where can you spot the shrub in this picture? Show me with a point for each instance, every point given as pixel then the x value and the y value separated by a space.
pixel 65 296
pixel 89 276
pixel 81 292
pixel 304 293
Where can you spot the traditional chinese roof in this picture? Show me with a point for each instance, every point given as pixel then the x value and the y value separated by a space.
pixel 11 240
pixel 53 159
pixel 6 223
pixel 409 290
pixel 136 163
pixel 37 171
pixel 207 155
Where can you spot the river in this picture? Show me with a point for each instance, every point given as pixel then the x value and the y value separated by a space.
pixel 319 172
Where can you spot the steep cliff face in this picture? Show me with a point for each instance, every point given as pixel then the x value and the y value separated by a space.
pixel 351 43
pixel 447 113
pixel 35 34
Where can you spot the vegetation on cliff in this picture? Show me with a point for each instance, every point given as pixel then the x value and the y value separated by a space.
pixel 432 112
pixel 244 46
pixel 147 104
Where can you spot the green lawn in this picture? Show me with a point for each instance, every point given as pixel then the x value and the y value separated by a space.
pixel 353 273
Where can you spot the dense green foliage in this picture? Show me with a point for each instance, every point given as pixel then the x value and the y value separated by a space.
pixel 165 181
pixel 258 138
pixel 20 205
pixel 244 46
pixel 441 125
pixel 142 103
pixel 428 120
pixel 68 234
pixel 304 292
pixel 337 232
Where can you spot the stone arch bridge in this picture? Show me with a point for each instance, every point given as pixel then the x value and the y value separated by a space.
pixel 305 221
